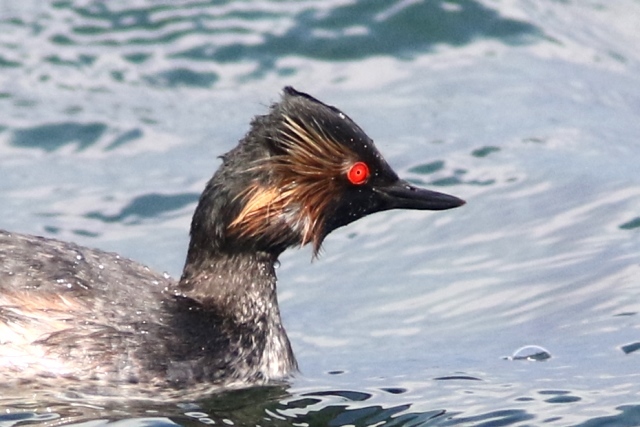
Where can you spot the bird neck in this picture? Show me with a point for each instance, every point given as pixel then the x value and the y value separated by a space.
pixel 229 306
pixel 241 286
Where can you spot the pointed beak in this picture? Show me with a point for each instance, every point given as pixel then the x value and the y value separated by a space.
pixel 402 195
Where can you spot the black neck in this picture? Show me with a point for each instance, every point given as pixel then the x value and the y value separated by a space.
pixel 228 305
pixel 233 284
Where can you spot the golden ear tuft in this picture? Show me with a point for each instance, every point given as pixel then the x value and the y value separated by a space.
pixel 260 204
pixel 304 180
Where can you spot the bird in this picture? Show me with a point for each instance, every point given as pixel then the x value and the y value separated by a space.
pixel 101 323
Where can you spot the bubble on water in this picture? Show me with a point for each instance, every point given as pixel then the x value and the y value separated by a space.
pixel 195 414
pixel 533 353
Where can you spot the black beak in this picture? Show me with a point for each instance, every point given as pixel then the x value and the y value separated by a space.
pixel 402 195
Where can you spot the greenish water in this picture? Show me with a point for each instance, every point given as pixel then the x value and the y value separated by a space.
pixel 112 115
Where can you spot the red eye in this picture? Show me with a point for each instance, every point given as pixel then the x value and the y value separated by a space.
pixel 358 173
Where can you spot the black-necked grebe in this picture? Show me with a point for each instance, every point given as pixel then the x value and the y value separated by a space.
pixel 79 314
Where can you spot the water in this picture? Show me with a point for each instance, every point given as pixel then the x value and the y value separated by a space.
pixel 113 113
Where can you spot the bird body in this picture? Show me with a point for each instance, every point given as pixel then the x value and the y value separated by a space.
pixel 103 322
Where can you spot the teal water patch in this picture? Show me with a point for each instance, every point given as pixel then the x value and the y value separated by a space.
pixel 365 29
pixel 6 63
pixel 630 348
pixel 125 138
pixel 183 77
pixel 137 58
pixel 51 137
pixel 428 168
pixel 145 207
pixel 629 225
pixel 484 151
pixel 342 33
pixel 80 61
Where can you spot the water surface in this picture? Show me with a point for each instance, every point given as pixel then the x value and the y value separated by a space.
pixel 113 115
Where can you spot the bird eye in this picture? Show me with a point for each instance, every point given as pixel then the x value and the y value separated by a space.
pixel 358 173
